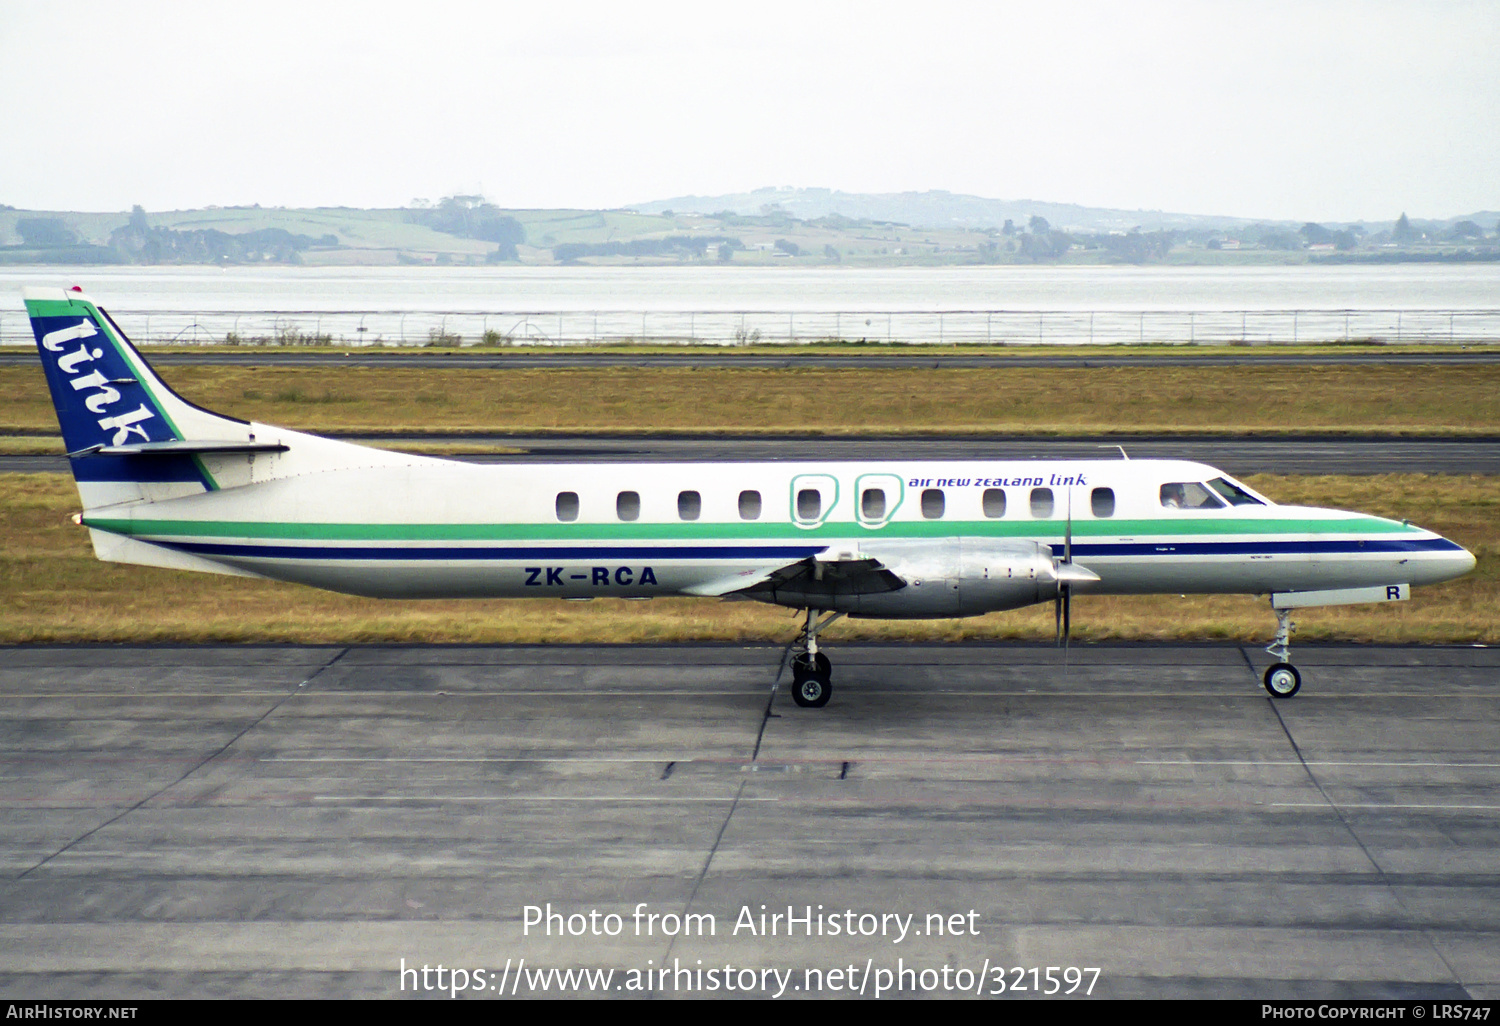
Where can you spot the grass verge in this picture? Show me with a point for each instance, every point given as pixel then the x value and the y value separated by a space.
pixel 1417 399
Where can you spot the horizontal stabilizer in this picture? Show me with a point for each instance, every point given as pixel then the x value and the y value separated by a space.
pixel 180 447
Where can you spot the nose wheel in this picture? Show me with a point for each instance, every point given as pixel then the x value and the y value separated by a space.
pixel 1282 679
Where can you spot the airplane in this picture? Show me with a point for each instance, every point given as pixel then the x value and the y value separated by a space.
pixel 166 483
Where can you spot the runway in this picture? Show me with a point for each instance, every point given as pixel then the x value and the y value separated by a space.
pixel 727 357
pixel 1318 455
pixel 281 821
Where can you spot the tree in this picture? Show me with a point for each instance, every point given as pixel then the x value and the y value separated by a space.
pixel 789 248
pixel 45 232
pixel 1010 227
pixel 1315 234
pixel 138 219
pixel 1466 230
pixel 1403 232
pixel 1038 224
pixel 831 253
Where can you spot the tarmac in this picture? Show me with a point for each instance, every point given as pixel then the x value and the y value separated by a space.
pixel 1138 821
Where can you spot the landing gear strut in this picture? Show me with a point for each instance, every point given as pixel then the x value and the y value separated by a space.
pixel 1282 679
pixel 811 670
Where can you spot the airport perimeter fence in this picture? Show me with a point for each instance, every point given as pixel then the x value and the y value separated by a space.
pixel 729 328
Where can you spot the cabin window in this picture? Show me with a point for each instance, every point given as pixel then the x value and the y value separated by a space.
pixel 628 505
pixel 1236 495
pixel 689 505
pixel 872 504
pixel 1102 502
pixel 749 505
pixel 1189 495
pixel 809 503
pixel 567 506
pixel 1041 503
pixel 933 503
pixel 994 503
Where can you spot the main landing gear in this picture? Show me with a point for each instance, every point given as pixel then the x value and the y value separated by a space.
pixel 811 670
pixel 1282 679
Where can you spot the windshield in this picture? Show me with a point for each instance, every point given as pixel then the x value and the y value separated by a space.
pixel 1236 495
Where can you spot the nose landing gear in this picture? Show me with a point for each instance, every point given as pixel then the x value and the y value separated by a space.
pixel 811 670
pixel 1282 679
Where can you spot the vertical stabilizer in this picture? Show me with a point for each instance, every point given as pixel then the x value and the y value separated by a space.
pixel 107 397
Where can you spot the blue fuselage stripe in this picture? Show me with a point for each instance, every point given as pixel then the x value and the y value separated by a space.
pixel 400 551
pixel 488 552
pixel 1260 548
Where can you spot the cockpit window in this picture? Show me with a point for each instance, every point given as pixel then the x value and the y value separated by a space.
pixel 1232 492
pixel 1189 495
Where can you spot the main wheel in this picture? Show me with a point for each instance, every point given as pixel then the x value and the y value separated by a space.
pixel 1283 680
pixel 818 666
pixel 811 692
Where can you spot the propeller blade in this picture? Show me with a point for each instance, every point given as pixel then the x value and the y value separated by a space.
pixel 1068 537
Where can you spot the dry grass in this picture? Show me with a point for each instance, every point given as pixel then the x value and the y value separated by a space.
pixel 1419 399
pixel 53 590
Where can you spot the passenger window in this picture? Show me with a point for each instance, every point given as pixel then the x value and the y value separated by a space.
pixel 1102 501
pixel 872 504
pixel 1041 503
pixel 809 504
pixel 933 503
pixel 1188 495
pixel 749 505
pixel 994 502
pixel 567 506
pixel 689 505
pixel 628 505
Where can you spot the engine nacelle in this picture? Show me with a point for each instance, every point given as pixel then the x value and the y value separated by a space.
pixel 953 577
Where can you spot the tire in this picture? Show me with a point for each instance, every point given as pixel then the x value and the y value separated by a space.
pixel 1282 680
pixel 820 666
pixel 811 692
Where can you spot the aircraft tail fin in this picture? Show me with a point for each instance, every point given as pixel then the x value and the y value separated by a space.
pixel 129 436
pixel 105 392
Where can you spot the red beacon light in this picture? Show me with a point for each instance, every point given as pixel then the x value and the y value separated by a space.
pixel 76 288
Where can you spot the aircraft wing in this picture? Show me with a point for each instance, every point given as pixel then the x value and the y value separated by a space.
pixel 836 576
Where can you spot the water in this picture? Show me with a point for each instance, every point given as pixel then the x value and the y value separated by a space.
pixel 1409 302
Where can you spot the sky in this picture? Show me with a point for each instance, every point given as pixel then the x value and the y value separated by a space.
pixel 1326 110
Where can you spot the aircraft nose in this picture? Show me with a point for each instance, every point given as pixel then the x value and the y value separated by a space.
pixel 1457 562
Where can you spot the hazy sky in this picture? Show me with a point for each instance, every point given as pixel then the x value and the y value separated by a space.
pixel 1312 109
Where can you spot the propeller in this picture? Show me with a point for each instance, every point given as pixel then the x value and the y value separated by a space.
pixel 1063 604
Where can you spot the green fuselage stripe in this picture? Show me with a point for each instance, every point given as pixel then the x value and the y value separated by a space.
pixel 1154 528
